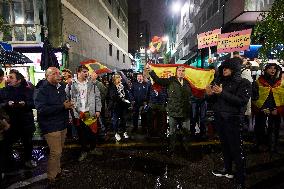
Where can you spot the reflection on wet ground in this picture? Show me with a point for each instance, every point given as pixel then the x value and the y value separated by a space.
pixel 150 166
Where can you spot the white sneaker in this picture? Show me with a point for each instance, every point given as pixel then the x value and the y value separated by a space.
pixel 30 164
pixel 117 137
pixel 125 135
pixel 83 156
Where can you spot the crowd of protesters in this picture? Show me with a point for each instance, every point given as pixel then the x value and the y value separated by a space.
pixel 88 106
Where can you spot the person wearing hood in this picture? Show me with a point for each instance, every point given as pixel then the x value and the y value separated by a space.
pixel 230 94
pixel 268 104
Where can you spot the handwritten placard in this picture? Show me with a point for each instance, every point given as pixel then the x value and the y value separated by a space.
pixel 208 39
pixel 234 41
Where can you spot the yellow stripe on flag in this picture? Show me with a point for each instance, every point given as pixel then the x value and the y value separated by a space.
pixel 198 78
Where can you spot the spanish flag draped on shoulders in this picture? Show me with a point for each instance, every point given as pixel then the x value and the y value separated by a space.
pixel 270 90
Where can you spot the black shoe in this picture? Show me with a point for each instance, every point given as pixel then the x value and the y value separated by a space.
pixel 223 173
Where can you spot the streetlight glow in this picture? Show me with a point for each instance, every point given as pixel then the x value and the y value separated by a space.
pixel 176 7
pixel 165 38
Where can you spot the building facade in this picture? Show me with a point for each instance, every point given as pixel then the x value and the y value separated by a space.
pixel 198 16
pixel 95 29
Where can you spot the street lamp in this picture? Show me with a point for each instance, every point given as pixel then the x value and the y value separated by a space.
pixel 176 6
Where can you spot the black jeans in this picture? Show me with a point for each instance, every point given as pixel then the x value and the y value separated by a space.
pixel 86 137
pixel 12 135
pixel 267 134
pixel 232 144
pixel 198 116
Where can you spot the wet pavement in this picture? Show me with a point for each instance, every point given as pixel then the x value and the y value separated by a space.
pixel 147 164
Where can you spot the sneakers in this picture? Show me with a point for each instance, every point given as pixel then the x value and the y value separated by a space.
pixel 30 164
pixel 125 135
pixel 117 137
pixel 83 156
pixel 223 173
pixel 96 152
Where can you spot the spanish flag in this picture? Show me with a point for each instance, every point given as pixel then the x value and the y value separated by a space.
pixel 198 78
pixel 95 66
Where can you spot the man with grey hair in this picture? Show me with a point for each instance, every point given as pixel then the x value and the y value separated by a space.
pixel 52 106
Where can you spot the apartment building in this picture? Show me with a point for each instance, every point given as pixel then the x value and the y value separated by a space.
pixel 198 16
pixel 95 29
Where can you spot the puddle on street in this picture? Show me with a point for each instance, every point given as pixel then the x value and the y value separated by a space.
pixel 144 165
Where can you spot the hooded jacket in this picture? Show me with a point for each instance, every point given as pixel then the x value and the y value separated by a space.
pixel 236 90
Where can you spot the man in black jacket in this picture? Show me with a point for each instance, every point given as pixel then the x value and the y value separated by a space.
pixel 52 107
pixel 230 94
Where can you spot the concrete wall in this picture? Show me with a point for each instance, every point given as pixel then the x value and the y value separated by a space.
pixel 88 22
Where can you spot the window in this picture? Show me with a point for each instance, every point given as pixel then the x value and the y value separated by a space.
pixel 123 57
pixel 118 12
pixel 203 17
pixel 209 12
pixel 19 12
pixel 184 21
pixel 185 41
pixel 222 2
pixel 110 49
pixel 215 6
pixel 117 32
pixel 109 22
pixel 117 54
pixel 123 22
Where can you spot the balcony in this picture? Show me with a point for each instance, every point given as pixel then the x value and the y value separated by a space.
pixel 245 11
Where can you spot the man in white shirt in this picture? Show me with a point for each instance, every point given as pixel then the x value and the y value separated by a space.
pixel 87 99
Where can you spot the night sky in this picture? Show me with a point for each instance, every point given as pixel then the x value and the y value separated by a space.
pixel 154 11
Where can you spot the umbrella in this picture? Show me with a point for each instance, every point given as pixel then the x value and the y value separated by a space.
pixel 48 58
pixel 12 57
pixel 95 66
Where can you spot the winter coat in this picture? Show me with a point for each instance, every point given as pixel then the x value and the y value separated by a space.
pixel 115 101
pixel 236 90
pixel 139 92
pixel 93 98
pixel 178 95
pixel 21 117
pixel 269 92
pixel 52 115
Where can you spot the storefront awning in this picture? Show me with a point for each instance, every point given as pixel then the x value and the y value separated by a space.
pixel 12 57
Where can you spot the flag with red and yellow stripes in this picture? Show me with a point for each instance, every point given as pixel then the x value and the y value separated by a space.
pixel 198 78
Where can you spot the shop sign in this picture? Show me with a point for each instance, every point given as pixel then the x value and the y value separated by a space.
pixel 234 41
pixel 208 39
pixel 72 38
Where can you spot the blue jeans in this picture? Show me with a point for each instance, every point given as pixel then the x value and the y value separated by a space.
pixel 198 116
